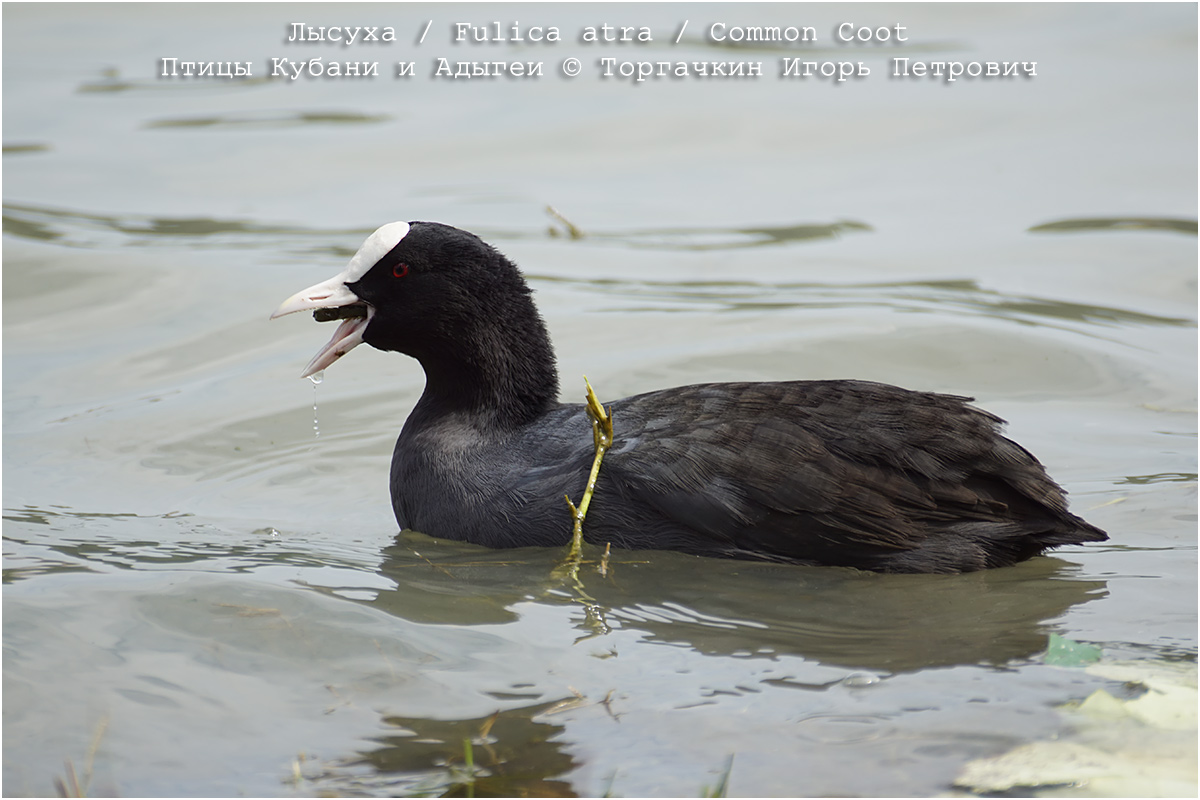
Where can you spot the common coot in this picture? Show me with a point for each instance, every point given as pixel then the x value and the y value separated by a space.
pixel 830 472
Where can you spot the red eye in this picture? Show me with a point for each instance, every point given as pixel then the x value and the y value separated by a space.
pixel 400 270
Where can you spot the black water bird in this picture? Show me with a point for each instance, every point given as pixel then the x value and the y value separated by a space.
pixel 830 472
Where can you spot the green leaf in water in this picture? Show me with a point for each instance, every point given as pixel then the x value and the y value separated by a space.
pixel 1064 652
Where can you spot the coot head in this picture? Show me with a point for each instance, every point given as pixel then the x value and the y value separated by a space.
pixel 451 301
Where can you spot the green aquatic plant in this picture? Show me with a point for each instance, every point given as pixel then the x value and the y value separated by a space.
pixel 722 786
pixel 1064 652
pixel 602 438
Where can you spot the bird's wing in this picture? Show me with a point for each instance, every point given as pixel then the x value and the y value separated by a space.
pixel 806 469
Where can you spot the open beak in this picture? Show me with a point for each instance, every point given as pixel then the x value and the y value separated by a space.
pixel 331 294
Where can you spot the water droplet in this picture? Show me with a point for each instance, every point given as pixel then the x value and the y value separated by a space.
pixel 844 728
pixel 860 680
pixel 316 379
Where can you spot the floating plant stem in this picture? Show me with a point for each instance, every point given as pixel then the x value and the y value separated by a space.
pixel 602 437
pixel 573 232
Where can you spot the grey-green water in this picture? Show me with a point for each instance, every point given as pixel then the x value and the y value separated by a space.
pixel 202 597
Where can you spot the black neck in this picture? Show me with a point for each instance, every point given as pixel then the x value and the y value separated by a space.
pixel 500 371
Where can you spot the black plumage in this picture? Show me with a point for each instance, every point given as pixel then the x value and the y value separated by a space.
pixel 835 472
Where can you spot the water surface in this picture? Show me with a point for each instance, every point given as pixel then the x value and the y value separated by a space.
pixel 205 597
